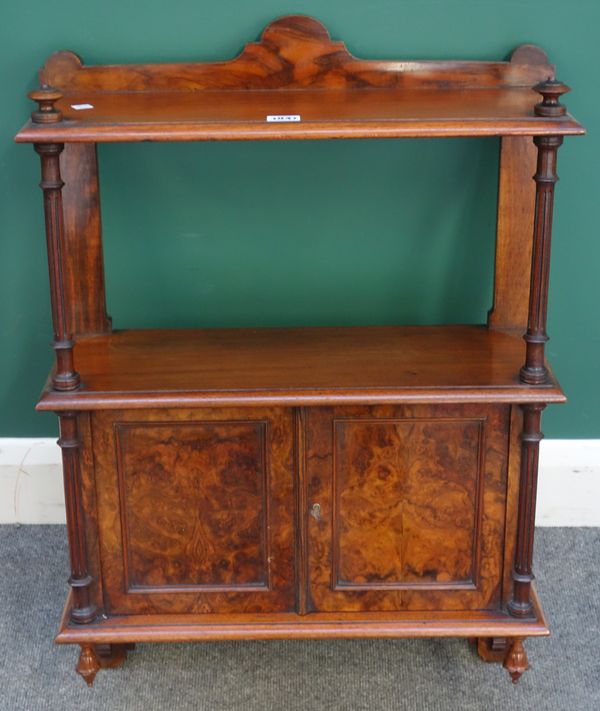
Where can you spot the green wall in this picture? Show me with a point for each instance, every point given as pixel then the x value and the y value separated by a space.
pixel 299 233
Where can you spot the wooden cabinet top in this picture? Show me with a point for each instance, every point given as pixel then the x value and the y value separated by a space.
pixel 296 83
pixel 299 366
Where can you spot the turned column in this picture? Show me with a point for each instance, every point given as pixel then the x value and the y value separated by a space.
pixel 83 609
pixel 65 376
pixel 534 371
pixel 520 605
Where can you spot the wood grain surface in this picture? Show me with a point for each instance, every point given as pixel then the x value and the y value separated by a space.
pixel 214 471
pixel 514 229
pixel 297 52
pixel 411 505
pixel 196 510
pixel 84 267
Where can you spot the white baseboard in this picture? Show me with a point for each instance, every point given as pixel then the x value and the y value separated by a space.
pixel 569 483
pixel 31 488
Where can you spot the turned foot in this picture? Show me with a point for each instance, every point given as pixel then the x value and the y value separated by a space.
pixel 87 665
pixel 515 661
pixel 94 657
pixel 492 649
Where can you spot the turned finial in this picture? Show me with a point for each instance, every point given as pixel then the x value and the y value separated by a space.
pixel 551 90
pixel 46 96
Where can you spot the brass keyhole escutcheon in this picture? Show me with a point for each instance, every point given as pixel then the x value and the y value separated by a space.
pixel 315 511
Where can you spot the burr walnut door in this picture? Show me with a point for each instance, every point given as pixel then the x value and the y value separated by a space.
pixel 195 510
pixel 406 507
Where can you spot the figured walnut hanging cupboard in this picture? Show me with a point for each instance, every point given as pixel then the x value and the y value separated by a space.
pixel 305 482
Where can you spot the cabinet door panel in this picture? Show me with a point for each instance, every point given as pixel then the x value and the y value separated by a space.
pixel 196 510
pixel 410 507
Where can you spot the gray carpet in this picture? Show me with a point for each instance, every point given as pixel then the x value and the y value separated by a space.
pixel 346 674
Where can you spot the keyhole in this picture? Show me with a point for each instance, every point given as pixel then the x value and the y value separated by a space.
pixel 315 512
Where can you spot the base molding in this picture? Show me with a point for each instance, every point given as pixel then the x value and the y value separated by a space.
pixel 31 486
pixel 196 628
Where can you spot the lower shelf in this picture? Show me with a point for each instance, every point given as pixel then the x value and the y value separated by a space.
pixel 298 367
pixel 196 628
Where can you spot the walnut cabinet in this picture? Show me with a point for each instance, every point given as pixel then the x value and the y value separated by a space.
pixel 300 482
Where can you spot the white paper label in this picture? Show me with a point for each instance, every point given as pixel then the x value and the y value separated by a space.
pixel 283 118
pixel 81 107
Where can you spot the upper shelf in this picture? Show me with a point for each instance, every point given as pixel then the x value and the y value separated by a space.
pixel 294 70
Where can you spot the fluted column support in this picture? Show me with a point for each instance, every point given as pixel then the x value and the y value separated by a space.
pixel 534 371
pixel 83 610
pixel 65 376
pixel 521 605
